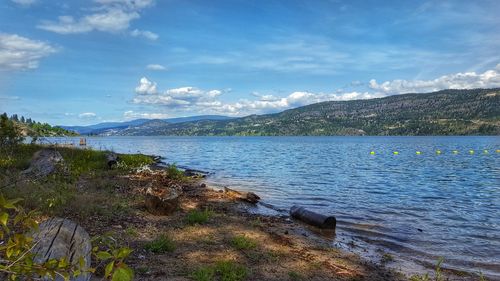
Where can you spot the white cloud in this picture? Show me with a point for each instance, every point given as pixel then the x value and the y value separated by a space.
pixel 155 67
pixel 21 53
pixel 146 87
pixel 195 99
pixel 24 2
pixel 110 16
pixel 87 115
pixel 129 115
pixel 144 33
pixel 467 80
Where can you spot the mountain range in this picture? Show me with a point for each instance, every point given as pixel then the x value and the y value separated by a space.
pixel 447 112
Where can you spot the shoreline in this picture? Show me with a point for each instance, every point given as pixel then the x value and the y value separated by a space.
pixel 274 247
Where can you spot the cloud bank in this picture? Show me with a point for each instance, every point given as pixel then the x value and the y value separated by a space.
pixel 21 53
pixel 111 16
pixel 193 99
pixel 466 80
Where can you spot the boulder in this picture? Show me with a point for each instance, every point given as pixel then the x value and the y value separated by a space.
pixel 57 238
pixel 44 162
pixel 162 201
pixel 249 197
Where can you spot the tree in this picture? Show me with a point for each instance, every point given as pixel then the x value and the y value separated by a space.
pixel 14 117
pixel 23 120
pixel 9 133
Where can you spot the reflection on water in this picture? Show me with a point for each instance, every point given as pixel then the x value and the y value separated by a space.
pixel 425 204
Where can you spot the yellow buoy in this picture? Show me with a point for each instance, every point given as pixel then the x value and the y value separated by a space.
pixel 455 151
pixel 372 152
pixel 486 151
pixel 418 152
pixel 395 153
pixel 498 150
pixel 438 151
pixel 471 151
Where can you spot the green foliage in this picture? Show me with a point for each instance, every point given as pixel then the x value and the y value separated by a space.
pixel 295 276
pixel 231 271
pixel 199 217
pixel 438 276
pixel 161 244
pixel 131 161
pixel 241 242
pixel 206 273
pixel 16 259
pixel 107 251
pixel 174 173
pixel 223 270
pixel 9 133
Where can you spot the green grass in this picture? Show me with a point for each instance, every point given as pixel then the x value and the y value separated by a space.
pixel 161 244
pixel 241 242
pixel 223 271
pixel 174 173
pixel 438 276
pixel 295 276
pixel 199 217
pixel 206 273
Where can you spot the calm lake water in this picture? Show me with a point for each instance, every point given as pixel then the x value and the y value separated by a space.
pixel 417 206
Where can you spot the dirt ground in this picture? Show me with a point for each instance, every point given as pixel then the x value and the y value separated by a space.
pixel 280 250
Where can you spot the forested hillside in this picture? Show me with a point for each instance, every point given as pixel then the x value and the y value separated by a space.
pixel 447 112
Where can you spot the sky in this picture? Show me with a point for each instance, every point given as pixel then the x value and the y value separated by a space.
pixel 85 62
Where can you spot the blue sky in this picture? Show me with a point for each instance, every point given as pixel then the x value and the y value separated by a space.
pixel 83 62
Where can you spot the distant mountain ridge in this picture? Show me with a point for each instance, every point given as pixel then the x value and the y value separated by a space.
pixel 115 126
pixel 447 112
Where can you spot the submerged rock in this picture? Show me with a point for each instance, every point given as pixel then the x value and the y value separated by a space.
pixel 45 162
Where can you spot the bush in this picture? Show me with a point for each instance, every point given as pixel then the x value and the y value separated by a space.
pixel 174 173
pixel 161 244
pixel 9 133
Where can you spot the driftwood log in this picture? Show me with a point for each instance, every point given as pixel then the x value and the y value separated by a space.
pixel 58 238
pixel 312 218
pixel 44 162
pixel 243 196
pixel 111 159
pixel 162 201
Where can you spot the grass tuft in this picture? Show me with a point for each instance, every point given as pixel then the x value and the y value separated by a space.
pixel 206 273
pixel 241 242
pixel 199 217
pixel 161 244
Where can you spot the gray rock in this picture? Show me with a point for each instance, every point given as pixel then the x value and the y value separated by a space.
pixel 58 238
pixel 44 162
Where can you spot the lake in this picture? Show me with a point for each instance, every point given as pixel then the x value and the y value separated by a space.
pixel 414 206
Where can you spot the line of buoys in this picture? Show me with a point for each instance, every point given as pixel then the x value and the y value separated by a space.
pixel 438 152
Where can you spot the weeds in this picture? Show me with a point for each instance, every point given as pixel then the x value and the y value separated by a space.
pixel 161 244
pixel 241 242
pixel 295 276
pixel 437 274
pixel 199 217
pixel 223 271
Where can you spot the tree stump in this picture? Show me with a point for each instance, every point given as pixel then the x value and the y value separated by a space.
pixel 111 160
pixel 249 197
pixel 44 162
pixel 162 201
pixel 58 238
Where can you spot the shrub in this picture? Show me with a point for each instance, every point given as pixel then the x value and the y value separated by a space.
pixel 174 173
pixel 161 244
